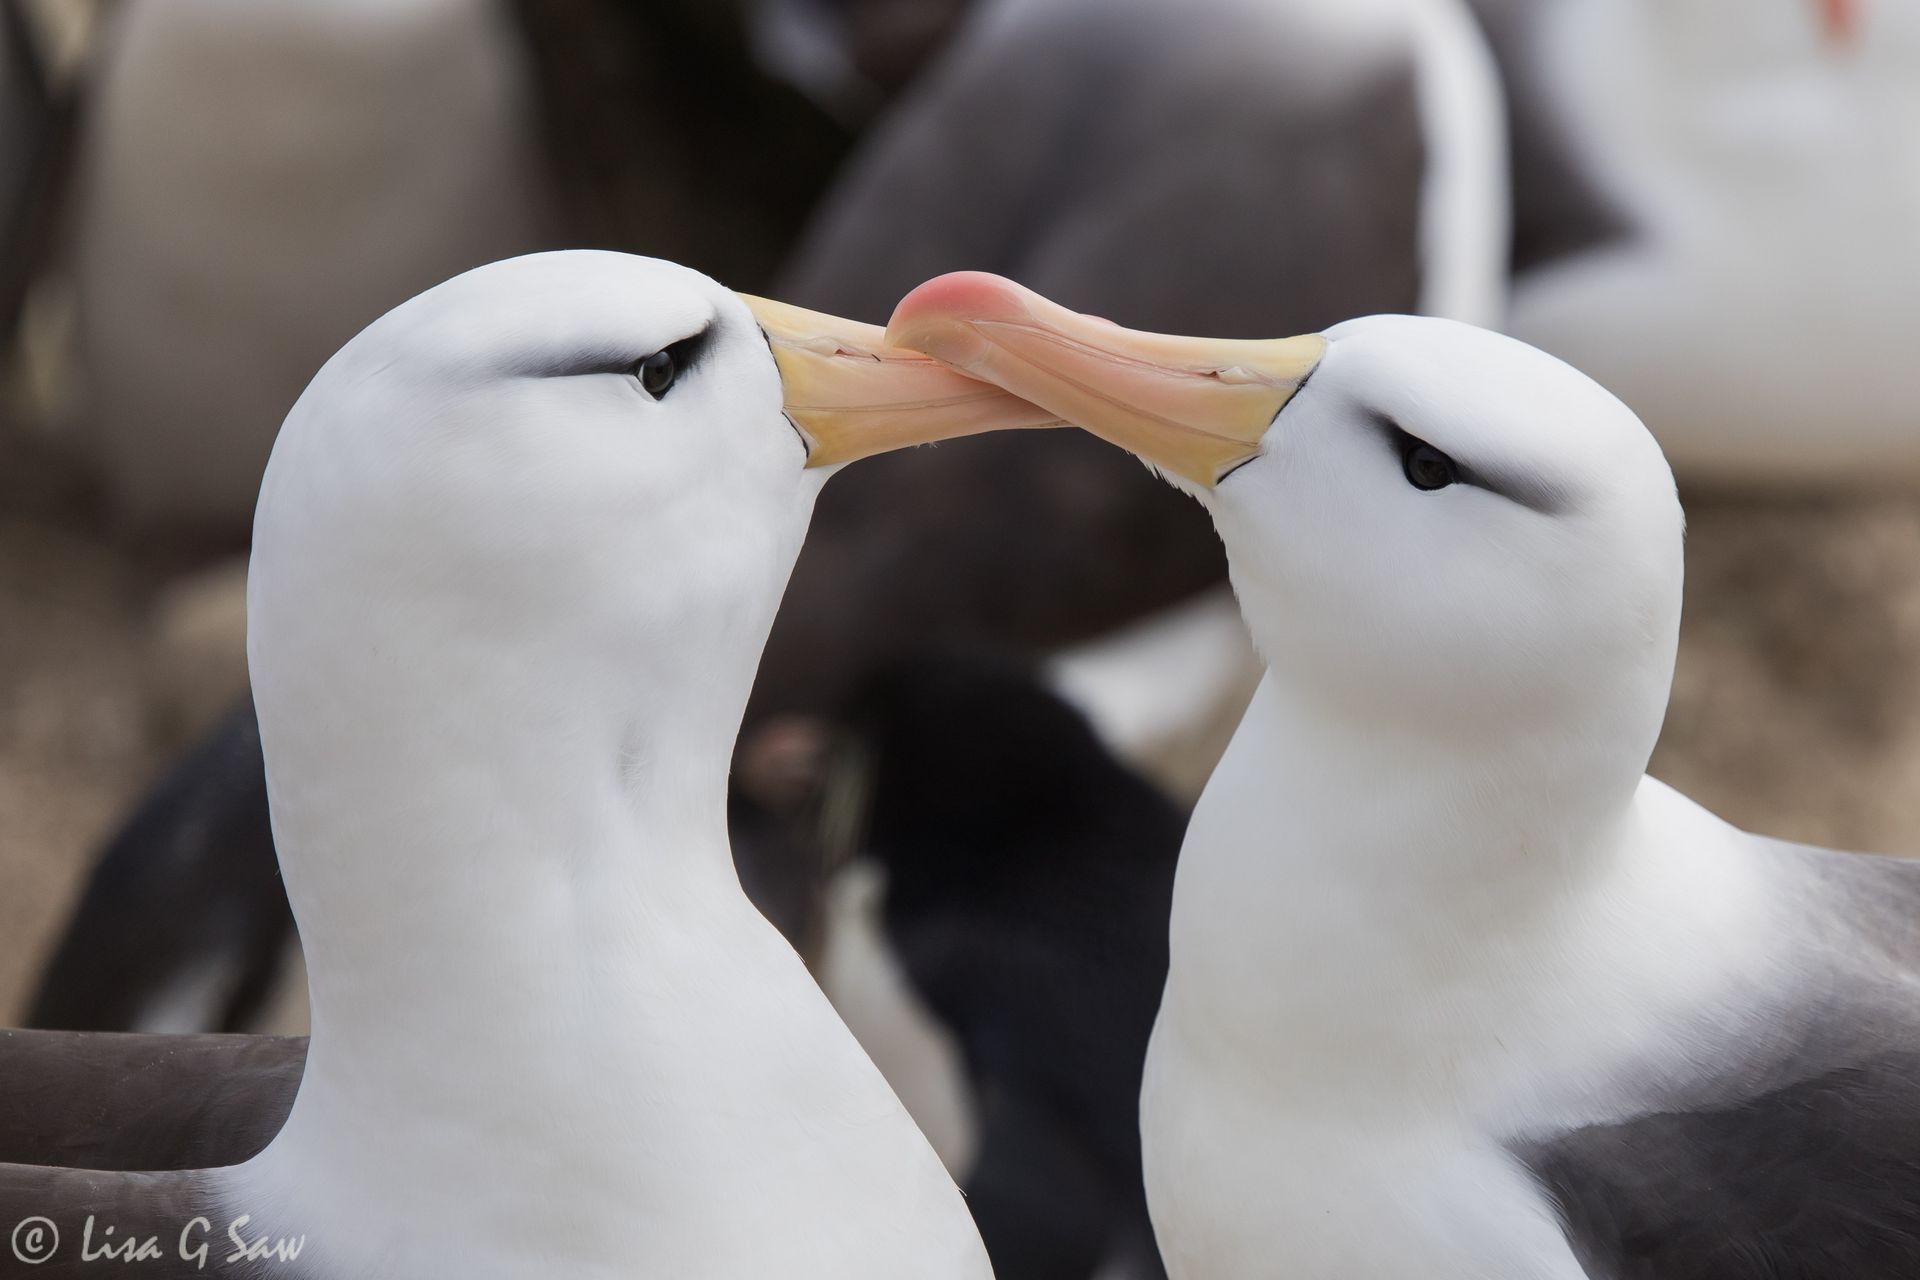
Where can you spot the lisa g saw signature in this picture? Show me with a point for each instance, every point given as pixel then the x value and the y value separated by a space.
pixel 37 1240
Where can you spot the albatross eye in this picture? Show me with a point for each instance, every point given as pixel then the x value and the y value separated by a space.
pixel 657 372
pixel 1426 467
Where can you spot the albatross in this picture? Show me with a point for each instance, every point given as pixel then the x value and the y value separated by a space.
pixel 1759 157
pixel 1456 990
pixel 517 550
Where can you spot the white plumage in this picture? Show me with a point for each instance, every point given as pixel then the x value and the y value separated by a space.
pixel 505 608
pixel 1456 990
pixel 1758 316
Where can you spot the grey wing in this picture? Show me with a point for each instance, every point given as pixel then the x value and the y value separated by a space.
pixel 1806 1166
pixel 1169 167
pixel 106 1100
pixel 1818 1180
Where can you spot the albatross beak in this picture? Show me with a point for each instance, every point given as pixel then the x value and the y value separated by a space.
pixel 1196 407
pixel 852 396
pixel 1841 20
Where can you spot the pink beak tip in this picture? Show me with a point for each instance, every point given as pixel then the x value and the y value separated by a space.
pixel 1841 19
pixel 958 296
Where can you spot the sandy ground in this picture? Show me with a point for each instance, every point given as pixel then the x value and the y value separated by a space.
pixel 1796 707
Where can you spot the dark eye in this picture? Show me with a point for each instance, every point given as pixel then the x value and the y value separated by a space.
pixel 1426 467
pixel 657 372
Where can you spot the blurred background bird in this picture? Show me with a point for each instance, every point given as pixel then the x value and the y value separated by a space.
pixel 1708 204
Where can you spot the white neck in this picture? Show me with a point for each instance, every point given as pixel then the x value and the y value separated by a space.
pixel 1332 872
pixel 549 1030
pixel 1386 958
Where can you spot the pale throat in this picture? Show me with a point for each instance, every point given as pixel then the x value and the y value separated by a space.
pixel 1316 844
pixel 494 861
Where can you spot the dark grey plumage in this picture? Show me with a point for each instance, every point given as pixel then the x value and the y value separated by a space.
pixel 199 848
pixel 1818 1180
pixel 122 1129
pixel 105 1100
pixel 37 117
pixel 1798 1156
pixel 1029 881
pixel 1561 206
pixel 1153 164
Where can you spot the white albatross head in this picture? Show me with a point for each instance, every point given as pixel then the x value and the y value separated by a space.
pixel 516 554
pixel 1431 528
pixel 590 446
pixel 560 493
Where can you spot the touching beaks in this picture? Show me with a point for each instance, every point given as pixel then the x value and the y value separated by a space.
pixel 851 396
pixel 1196 407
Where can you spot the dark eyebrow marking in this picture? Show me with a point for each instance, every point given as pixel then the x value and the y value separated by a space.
pixel 1527 488
pixel 618 359
pixel 806 444
pixel 687 351
pixel 1298 387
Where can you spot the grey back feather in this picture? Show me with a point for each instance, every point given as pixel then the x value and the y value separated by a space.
pixel 1798 1158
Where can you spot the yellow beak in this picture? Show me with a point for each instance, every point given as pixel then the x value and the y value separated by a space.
pixel 852 396
pixel 1196 407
